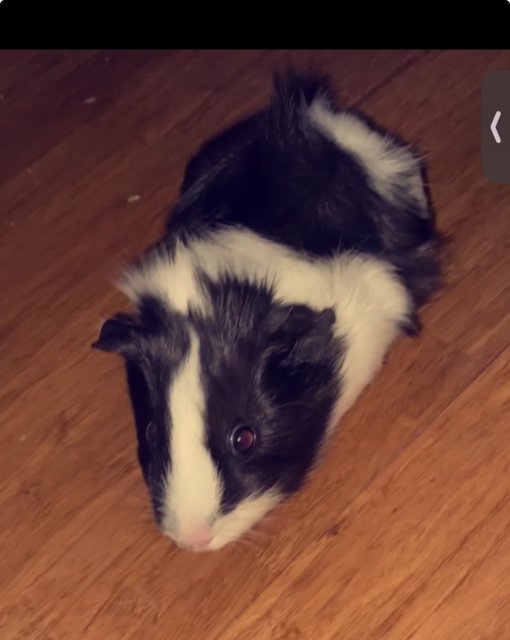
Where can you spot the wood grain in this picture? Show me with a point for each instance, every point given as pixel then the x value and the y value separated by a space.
pixel 403 531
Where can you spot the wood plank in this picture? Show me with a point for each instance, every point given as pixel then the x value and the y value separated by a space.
pixel 402 531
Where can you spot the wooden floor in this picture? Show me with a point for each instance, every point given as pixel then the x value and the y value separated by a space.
pixel 403 533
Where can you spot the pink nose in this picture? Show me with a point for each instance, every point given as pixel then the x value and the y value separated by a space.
pixel 196 541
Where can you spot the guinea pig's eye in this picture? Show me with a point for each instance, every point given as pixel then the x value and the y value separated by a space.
pixel 242 440
pixel 151 433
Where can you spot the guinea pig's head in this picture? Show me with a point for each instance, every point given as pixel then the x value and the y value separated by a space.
pixel 231 406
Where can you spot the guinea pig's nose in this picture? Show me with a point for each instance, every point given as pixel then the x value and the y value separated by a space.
pixel 197 541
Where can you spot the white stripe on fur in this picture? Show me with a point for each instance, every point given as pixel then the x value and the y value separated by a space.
pixel 194 489
pixel 387 163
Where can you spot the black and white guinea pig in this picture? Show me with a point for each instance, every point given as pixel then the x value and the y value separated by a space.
pixel 301 245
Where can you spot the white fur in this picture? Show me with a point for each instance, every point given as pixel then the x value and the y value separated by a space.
pixel 193 491
pixel 178 286
pixel 385 161
pixel 236 523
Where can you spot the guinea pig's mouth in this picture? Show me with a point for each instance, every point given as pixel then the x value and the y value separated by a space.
pixel 213 544
pixel 195 548
pixel 214 534
pixel 195 545
pixel 203 540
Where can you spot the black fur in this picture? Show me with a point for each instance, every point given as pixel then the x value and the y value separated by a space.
pixel 272 367
pixel 154 343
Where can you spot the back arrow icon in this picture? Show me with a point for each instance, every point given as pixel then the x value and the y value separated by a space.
pixel 494 124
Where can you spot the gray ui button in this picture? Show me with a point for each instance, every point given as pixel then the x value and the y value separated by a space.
pixel 496 127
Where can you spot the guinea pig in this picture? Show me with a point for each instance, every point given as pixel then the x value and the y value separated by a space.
pixel 302 244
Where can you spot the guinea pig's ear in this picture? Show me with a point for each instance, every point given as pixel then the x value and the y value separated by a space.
pixel 119 334
pixel 305 333
pixel 300 354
